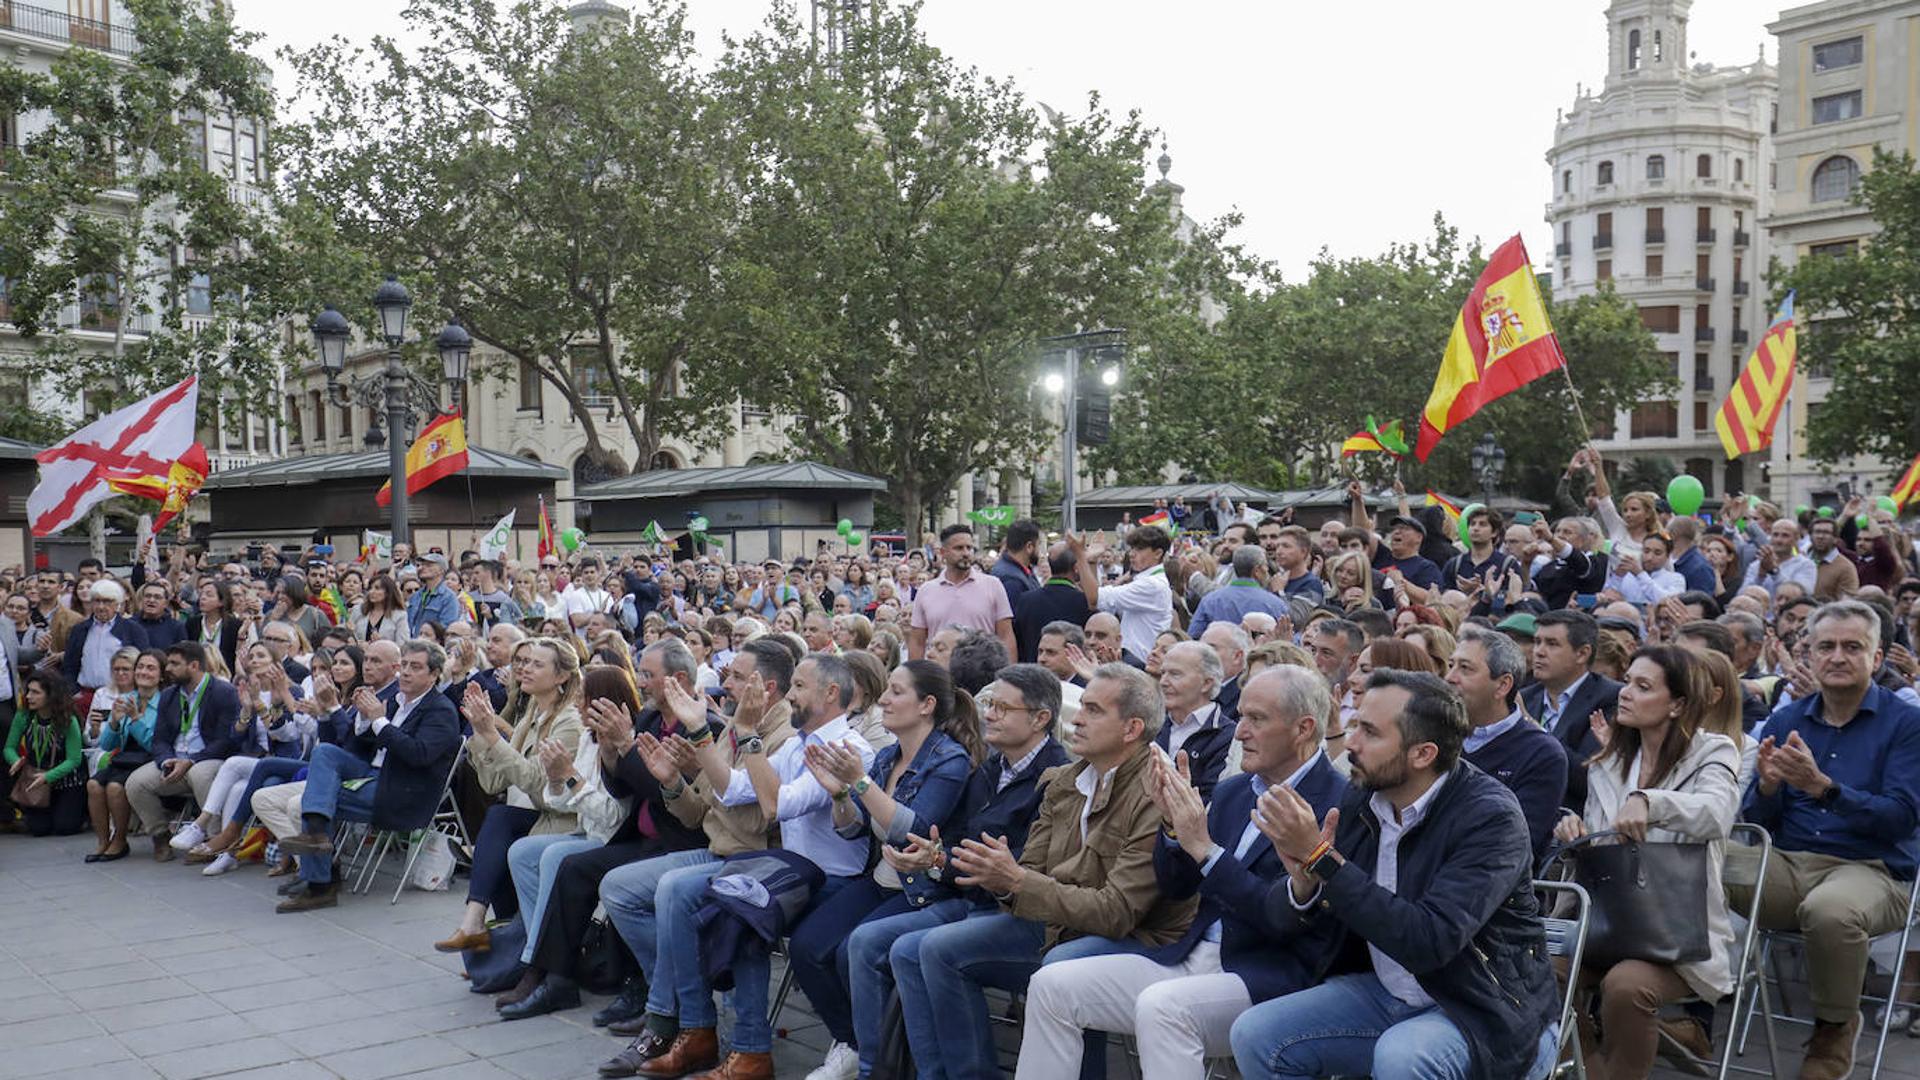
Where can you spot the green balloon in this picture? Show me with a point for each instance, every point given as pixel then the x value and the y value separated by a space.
pixel 571 539
pixel 1802 510
pixel 845 527
pixel 856 537
pixel 1885 502
pixel 1862 520
pixel 1826 512
pixel 1685 494
pixel 1466 515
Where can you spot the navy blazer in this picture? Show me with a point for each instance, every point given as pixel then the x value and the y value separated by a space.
pixel 222 733
pixel 420 753
pixel 985 808
pixel 1572 728
pixel 337 729
pixel 1229 699
pixel 1232 894
pixel 128 631
pixel 1206 750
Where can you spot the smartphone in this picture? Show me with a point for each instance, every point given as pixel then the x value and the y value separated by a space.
pixel 1525 517
pixel 1586 600
pixel 323 549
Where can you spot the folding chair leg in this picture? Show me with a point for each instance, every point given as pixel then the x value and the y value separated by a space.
pixel 780 995
pixel 382 841
pixel 1773 1045
pixel 1893 995
pixel 1745 1023
pixel 414 847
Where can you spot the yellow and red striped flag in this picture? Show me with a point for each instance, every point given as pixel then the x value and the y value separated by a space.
pixel 439 451
pixel 1908 487
pixel 1501 341
pixel 1451 508
pixel 1746 419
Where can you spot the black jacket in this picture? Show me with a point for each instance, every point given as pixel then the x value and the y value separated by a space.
pixel 1463 920
pixel 1206 749
pixel 1573 728
pixel 420 752
pixel 986 808
pixel 629 779
pixel 229 636
pixel 218 721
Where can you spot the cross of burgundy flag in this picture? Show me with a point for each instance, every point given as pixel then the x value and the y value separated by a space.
pixel 146 437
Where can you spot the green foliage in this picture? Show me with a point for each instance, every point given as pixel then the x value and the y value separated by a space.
pixel 1646 473
pixel 17 421
pixel 1857 322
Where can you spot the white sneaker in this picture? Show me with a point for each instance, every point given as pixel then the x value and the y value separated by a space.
pixel 843 1063
pixel 221 865
pixel 187 837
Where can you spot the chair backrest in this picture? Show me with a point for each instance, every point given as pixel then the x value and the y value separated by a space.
pixel 1567 936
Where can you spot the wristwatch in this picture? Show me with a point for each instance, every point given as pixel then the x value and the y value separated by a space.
pixel 1325 866
pixel 859 787
pixel 753 744
pixel 572 782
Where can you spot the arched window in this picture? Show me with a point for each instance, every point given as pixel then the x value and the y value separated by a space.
pixel 664 459
pixel 1739 168
pixel 1703 166
pixel 1633 49
pixel 1835 178
pixel 1606 173
pixel 1657 167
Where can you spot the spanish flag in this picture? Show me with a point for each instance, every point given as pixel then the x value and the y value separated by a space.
pixel 1451 508
pixel 1908 487
pixel 173 490
pixel 1745 420
pixel 440 451
pixel 1501 342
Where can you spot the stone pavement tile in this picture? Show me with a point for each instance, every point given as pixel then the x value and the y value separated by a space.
pixel 30 941
pixel 273 1015
pixel 238 976
pixel 57 1028
pixel 396 972
pixel 130 1069
pixel 346 955
pixel 152 1042
pixel 135 993
pixel 476 1070
pixel 286 988
pixel 319 1040
pixel 395 1059
pixel 171 1010
pixel 229 954
pixel 561 1061
pixel 453 1013
pixel 506 1036
pixel 126 971
pixel 191 945
pixel 289 1070
pixel 104 954
pixel 223 1058
pixel 36 1061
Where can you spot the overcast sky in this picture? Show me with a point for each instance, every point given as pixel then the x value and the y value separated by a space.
pixel 1336 126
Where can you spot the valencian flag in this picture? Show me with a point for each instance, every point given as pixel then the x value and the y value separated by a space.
pixel 1745 420
pixel 1374 439
pixel 1909 485
pixel 1501 342
pixel 439 452
pixel 172 489
pixel 544 533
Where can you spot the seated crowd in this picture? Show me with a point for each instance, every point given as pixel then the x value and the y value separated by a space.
pixel 1273 796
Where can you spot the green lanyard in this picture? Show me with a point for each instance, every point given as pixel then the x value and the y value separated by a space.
pixel 190 711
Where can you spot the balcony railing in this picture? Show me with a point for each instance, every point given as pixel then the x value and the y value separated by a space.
pixel 1656 235
pixel 1740 337
pixel 53 25
pixel 1704 284
pixel 1703 333
pixel 1703 384
pixel 1741 288
pixel 1602 241
pixel 1704 236
pixel 1563 249
pixel 1741 238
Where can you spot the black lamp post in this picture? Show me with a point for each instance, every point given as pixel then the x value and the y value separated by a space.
pixel 1489 460
pixel 394 390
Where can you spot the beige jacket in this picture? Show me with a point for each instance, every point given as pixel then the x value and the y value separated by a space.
pixel 731 829
pixel 513 766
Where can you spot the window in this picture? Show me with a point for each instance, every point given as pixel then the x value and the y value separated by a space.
pixel 590 378
pixel 1566 181
pixel 1656 266
pixel 1833 55
pixel 1661 320
pixel 1834 108
pixel 1603 270
pixel 1739 219
pixel 1739 169
pixel 1702 418
pixel 6 303
pixel 249 145
pixel 1702 314
pixel 295 436
pixel 9 134
pixel 1838 249
pixel 1657 167
pixel 319 408
pixel 194 126
pixel 1605 175
pixel 1566 234
pixel 1657 50
pixel 1702 371
pixel 1703 266
pixel 220 148
pixel 1655 420
pixel 529 387
pixel 1703 166
pixel 1835 179
pixel 1633 49
pixel 1656 225
pixel 99 304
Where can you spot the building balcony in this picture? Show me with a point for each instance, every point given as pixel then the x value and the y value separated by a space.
pixel 1704 236
pixel 1742 288
pixel 50 24
pixel 1703 333
pixel 1703 384
pixel 1741 238
pixel 1656 236
pixel 1602 241
pixel 237 459
pixel 1563 250
pixel 1704 284
pixel 1741 337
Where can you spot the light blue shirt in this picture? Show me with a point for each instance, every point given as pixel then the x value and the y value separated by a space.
pixel 96 659
pixel 1252 832
pixel 1551 706
pixel 1481 736
pixel 804 809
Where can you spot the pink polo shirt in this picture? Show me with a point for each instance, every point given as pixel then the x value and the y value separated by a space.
pixel 978 603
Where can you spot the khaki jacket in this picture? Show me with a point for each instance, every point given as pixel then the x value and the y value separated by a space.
pixel 1106 886
pixel 513 765
pixel 731 829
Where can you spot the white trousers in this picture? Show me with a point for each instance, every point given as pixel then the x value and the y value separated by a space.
pixel 223 798
pixel 1179 1014
pixel 278 808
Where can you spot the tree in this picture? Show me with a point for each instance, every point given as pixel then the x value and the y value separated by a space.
pixel 911 232
pixel 111 209
pixel 1268 396
pixel 564 194
pixel 1857 322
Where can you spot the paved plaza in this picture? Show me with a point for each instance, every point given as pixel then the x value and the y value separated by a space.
pixel 135 969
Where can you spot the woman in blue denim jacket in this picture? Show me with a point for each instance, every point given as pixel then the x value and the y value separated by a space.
pixel 919 779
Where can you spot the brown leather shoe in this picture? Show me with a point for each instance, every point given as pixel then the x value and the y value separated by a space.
pixel 307 844
pixel 1685 1045
pixel 693 1050
pixel 308 899
pixel 1830 1051
pixel 163 847
pixel 649 1045
pixel 740 1066
pixel 460 941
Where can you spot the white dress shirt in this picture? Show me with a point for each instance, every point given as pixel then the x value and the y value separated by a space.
pixel 1088 784
pixel 402 705
pixel 1252 832
pixel 804 809
pixel 1144 607
pixel 1178 734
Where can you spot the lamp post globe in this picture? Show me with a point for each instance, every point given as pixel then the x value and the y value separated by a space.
pixel 392 301
pixel 331 332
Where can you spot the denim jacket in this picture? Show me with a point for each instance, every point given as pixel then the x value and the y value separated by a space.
pixel 929 791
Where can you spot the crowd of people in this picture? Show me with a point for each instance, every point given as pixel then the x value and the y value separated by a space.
pixel 1268 793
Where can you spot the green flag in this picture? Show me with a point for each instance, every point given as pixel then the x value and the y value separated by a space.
pixel 653 534
pixel 996 516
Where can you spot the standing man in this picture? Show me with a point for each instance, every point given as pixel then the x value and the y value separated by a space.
pixel 156 619
pixel 1483 566
pixel 1779 560
pixel 1567 692
pixel 1504 743
pixel 1062 599
pixel 193 733
pixel 1245 592
pixel 1835 577
pixel 1293 563
pixel 960 597
pixel 433 601
pixel 1837 783
pixel 1144 605
pixel 1420 891
pixel 1686 559
pixel 584 596
pixel 88 661
pixel 492 604
pixel 1019 554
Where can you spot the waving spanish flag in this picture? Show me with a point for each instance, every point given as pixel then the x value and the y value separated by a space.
pixel 1501 342
pixel 1745 420
pixel 1909 485
pixel 173 490
pixel 440 451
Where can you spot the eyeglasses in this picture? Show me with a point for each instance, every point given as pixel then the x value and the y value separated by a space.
pixel 994 708
pixel 278 640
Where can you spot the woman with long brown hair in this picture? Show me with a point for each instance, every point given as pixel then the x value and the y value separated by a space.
pixel 382 615
pixel 1662 777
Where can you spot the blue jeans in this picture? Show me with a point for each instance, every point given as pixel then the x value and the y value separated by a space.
pixel 630 894
pixel 817 950
pixel 1351 1025
pixel 534 861
pixel 266 773
pixel 942 973
pixel 331 767
pixel 870 973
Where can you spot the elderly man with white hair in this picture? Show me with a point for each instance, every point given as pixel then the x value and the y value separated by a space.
pixel 1190 678
pixel 88 662
pixel 1232 645
pixel 1259 626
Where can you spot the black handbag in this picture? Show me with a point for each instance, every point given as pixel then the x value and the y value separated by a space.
pixel 1648 899
pixel 605 961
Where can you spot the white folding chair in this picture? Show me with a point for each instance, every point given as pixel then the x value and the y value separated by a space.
pixel 384 840
pixel 1749 980
pixel 1567 937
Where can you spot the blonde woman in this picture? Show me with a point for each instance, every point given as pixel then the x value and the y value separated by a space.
pixel 505 756
pixel 1349 580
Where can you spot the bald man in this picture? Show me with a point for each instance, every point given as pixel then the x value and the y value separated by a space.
pixel 1103 641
